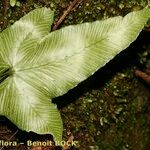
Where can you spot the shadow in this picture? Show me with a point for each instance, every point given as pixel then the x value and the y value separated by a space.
pixel 125 59
pixel 22 135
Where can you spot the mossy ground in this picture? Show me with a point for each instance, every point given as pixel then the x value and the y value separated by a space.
pixel 110 110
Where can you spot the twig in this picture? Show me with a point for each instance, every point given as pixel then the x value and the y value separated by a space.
pixel 69 9
pixel 5 7
pixel 77 5
pixel 145 77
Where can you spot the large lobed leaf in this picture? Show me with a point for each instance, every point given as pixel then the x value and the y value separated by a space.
pixel 68 56
pixel 36 66
pixel 25 106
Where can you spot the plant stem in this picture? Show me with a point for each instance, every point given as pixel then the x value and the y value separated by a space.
pixel 5 74
pixel 145 77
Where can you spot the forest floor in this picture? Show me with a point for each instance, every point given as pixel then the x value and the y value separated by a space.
pixel 110 110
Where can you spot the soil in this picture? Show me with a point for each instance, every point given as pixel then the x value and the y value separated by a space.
pixel 108 111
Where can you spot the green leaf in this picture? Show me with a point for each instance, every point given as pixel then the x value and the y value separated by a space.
pixel 12 3
pixel 25 34
pixel 36 66
pixel 68 56
pixel 20 102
